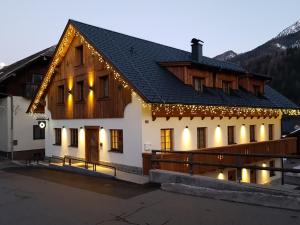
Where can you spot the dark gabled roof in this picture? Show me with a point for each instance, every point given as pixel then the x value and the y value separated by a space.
pixel 9 70
pixel 138 61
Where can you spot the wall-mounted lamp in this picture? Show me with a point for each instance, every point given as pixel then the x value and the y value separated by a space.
pixel 101 128
pixel 186 126
pixel 80 127
pixel 63 126
pixel 69 91
pixel 243 124
pixel 263 123
pixel 90 88
pixel 218 126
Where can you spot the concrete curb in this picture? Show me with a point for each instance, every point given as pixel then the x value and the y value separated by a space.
pixel 256 198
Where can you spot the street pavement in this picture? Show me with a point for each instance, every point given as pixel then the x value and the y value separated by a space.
pixel 35 196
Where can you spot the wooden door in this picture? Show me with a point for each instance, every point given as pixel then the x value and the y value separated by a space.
pixel 253 176
pixel 92 144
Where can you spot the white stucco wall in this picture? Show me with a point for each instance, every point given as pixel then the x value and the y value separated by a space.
pixel 186 138
pixel 4 111
pixel 22 125
pixel 132 136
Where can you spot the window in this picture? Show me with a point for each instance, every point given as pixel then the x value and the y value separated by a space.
pixel 57 132
pixel 231 139
pixel 252 133
pixel 116 140
pixel 38 133
pixel 272 165
pixel 271 132
pixel 198 84
pixel 79 55
pixel 79 91
pixel 104 87
pixel 256 90
pixel 61 94
pixel 37 78
pixel 226 86
pixel 201 137
pixel 74 137
pixel 166 139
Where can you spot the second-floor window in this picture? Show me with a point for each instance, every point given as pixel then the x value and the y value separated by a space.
pixel 166 139
pixel 201 137
pixel 271 132
pixel 231 138
pixel 104 87
pixel 37 78
pixel 57 133
pixel 79 55
pixel 74 137
pixel 61 94
pixel 252 133
pixel 226 86
pixel 80 90
pixel 198 84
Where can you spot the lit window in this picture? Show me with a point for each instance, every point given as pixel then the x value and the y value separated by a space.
pixel 74 137
pixel 61 94
pixel 271 132
pixel 198 84
pixel 104 87
pixel 252 133
pixel 231 138
pixel 79 55
pixel 57 132
pixel 38 133
pixel 166 139
pixel 116 140
pixel 201 137
pixel 226 86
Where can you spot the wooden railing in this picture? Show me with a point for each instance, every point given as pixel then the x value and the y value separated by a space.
pixel 239 154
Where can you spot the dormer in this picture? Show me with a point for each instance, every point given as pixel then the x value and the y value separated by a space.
pixel 254 83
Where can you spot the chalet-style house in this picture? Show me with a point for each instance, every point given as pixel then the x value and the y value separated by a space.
pixel 111 97
pixel 20 135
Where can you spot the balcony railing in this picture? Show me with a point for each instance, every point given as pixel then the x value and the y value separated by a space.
pixel 239 154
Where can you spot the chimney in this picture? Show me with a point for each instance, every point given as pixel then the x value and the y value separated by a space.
pixel 197 49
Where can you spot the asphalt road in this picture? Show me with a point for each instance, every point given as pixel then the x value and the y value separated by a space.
pixel 42 197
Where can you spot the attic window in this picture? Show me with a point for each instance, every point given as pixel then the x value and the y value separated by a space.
pixel 226 86
pixel 198 84
pixel 256 90
pixel 79 55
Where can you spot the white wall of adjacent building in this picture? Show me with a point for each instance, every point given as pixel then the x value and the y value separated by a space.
pixel 22 126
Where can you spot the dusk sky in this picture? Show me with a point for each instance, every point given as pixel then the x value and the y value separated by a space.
pixel 29 26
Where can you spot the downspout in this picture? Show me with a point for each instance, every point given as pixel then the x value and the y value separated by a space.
pixel 12 126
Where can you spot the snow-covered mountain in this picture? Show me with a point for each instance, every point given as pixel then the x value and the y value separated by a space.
pixel 290 30
pixel 288 38
pixel 226 56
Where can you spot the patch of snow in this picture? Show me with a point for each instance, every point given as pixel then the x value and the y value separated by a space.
pixel 2 64
pixel 280 46
pixel 290 30
pixel 296 44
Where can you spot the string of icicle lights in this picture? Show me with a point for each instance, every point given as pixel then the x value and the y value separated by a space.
pixel 157 109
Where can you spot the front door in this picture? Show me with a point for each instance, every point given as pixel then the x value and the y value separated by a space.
pixel 253 176
pixel 232 175
pixel 92 144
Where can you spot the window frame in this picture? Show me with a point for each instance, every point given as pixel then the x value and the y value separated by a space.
pixel 104 86
pixel 201 81
pixel 256 90
pixel 204 145
pixel 79 54
pixel 271 132
pixel 41 133
pixel 73 137
pixel 163 143
pixel 57 136
pixel 231 139
pixel 226 86
pixel 116 138
pixel 61 94
pixel 252 135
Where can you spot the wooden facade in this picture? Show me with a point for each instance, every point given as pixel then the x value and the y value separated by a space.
pixel 186 72
pixel 82 77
